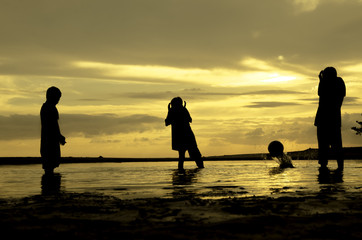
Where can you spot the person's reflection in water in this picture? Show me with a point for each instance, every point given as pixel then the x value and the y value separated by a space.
pixel 276 170
pixel 327 176
pixel 51 184
pixel 182 178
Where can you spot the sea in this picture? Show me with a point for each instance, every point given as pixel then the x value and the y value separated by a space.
pixel 219 179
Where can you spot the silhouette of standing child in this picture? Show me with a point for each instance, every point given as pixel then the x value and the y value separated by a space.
pixel 50 132
pixel 182 136
pixel 331 91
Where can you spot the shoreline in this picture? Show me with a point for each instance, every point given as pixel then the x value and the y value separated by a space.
pixel 98 216
pixel 350 153
pixel 66 160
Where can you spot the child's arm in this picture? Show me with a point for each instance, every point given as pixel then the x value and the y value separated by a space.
pixel 168 118
pixel 167 122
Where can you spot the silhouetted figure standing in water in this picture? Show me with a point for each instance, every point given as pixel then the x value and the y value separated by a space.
pixel 331 91
pixel 50 132
pixel 182 136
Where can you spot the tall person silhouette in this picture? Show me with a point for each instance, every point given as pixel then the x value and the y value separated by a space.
pixel 331 91
pixel 51 138
pixel 182 136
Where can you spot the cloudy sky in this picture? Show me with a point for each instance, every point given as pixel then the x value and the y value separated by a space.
pixel 248 70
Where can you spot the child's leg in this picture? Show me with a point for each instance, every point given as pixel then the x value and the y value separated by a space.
pixel 338 148
pixel 49 171
pixel 323 145
pixel 47 166
pixel 181 159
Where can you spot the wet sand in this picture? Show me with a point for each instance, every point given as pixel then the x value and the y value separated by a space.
pixel 65 215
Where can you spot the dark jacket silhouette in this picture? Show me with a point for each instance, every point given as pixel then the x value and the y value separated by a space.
pixel 183 138
pixel 331 91
pixel 51 138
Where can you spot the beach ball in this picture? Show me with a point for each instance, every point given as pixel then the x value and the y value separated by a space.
pixel 275 148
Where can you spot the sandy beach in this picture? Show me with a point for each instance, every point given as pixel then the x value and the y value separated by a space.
pixel 227 200
pixel 96 216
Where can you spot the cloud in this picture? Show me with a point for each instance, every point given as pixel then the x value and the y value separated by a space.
pixel 306 5
pixel 108 124
pixel 274 92
pixel 201 93
pixel 351 101
pixel 262 131
pixel 220 76
pixel 19 127
pixel 22 101
pixel 293 130
pixel 47 35
pixel 270 104
pixel 72 125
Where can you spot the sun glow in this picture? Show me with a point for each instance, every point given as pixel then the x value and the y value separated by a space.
pixel 356 68
pixel 277 78
pixel 263 73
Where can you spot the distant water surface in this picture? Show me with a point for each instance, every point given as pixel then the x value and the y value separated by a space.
pixel 161 179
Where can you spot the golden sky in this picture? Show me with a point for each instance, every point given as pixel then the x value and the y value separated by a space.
pixel 248 70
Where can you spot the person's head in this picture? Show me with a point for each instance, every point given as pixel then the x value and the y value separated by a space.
pixel 275 148
pixel 176 102
pixel 329 72
pixel 53 95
